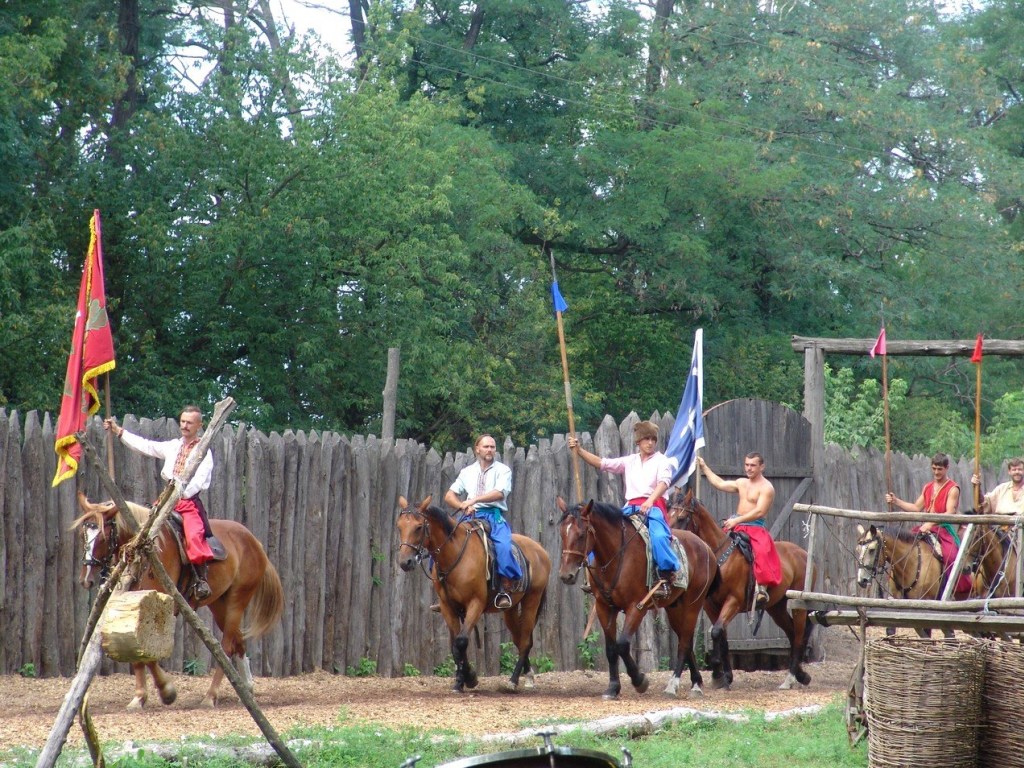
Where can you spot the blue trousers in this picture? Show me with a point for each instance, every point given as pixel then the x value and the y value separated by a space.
pixel 661 538
pixel 501 535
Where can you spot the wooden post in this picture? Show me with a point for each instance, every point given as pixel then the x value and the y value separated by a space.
pixel 387 427
pixel 954 572
pixel 93 654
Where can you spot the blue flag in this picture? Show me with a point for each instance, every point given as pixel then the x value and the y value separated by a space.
pixel 688 433
pixel 556 297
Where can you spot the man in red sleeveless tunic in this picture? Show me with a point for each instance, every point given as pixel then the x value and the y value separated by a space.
pixel 756 497
pixel 941 496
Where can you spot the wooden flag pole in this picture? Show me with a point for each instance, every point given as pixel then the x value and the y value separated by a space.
pixel 567 385
pixel 977 437
pixel 110 432
pixel 885 416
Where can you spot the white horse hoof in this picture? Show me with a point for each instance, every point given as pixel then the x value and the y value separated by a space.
pixel 529 683
pixel 672 689
pixel 787 684
pixel 208 702
pixel 136 704
pixel 696 692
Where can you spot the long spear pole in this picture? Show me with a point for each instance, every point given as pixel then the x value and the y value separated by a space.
pixel 976 359
pixel 565 374
pixel 885 416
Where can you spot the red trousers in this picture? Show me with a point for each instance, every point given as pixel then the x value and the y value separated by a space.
pixel 196 547
pixel 767 566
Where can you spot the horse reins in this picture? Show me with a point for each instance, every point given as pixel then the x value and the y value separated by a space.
pixel 441 575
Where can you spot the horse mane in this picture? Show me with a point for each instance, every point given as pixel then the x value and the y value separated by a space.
pixel 139 513
pixel 442 518
pixel 607 512
pixel 899 533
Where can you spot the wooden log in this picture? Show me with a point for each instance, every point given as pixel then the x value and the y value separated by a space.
pixel 936 348
pixel 993 604
pixel 139 626
pixel 966 622
pixel 908 517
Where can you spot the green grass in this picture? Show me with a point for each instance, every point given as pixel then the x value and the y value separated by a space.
pixel 798 742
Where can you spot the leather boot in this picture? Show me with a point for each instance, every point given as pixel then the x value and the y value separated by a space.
pixel 667 580
pixel 503 600
pixel 761 597
pixel 200 589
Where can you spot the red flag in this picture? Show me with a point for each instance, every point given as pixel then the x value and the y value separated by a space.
pixel 92 354
pixel 879 346
pixel 976 357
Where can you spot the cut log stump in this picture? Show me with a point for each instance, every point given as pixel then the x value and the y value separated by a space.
pixel 139 626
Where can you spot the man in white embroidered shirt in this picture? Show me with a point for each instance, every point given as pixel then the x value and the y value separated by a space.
pixel 481 490
pixel 175 454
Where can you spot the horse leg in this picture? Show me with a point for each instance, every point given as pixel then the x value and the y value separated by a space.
pixel 139 670
pixel 162 681
pixel 520 622
pixel 684 622
pixel 629 627
pixel 608 617
pixel 465 675
pixel 721 664
pixel 797 629
pixel 227 613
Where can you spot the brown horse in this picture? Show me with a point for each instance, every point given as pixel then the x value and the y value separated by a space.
pixel 245 579
pixel 462 582
pixel 731 595
pixel 618 577
pixel 996 560
pixel 905 560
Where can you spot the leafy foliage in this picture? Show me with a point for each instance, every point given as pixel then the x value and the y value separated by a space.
pixel 274 219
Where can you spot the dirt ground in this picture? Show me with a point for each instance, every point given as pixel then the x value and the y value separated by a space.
pixel 28 707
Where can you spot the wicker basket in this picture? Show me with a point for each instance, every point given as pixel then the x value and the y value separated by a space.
pixel 923 701
pixel 1001 744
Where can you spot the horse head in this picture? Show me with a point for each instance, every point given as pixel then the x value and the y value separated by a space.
pixel 869 554
pixel 574 531
pixel 413 532
pixel 682 510
pixel 98 527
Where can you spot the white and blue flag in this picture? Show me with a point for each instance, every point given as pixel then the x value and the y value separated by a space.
pixel 688 433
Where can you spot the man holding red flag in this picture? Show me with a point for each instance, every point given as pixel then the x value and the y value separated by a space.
pixel 175 454
pixel 92 354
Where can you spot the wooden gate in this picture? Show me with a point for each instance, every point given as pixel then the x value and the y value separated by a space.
pixel 733 429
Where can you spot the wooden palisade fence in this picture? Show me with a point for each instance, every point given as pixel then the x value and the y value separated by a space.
pixel 324 505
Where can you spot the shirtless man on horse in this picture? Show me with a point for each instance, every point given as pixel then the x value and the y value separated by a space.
pixel 756 496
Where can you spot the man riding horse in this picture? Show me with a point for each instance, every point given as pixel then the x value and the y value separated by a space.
pixel 646 476
pixel 756 496
pixel 940 496
pixel 175 455
pixel 481 491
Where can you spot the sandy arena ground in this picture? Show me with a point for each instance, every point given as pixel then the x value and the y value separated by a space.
pixel 28 707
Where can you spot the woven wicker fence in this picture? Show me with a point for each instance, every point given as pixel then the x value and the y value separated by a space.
pixel 923 699
pixel 1001 744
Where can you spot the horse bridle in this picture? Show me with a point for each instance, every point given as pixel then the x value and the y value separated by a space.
pixel 423 552
pixel 723 550
pixel 109 531
pixel 594 570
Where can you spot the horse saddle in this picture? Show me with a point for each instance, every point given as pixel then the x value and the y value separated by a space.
pixel 936 545
pixel 177 527
pixel 483 529
pixel 682 575
pixel 741 540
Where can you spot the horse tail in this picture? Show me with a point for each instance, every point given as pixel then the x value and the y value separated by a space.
pixel 266 606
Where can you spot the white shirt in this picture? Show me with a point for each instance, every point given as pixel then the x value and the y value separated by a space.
pixel 497 477
pixel 1001 500
pixel 640 476
pixel 168 451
